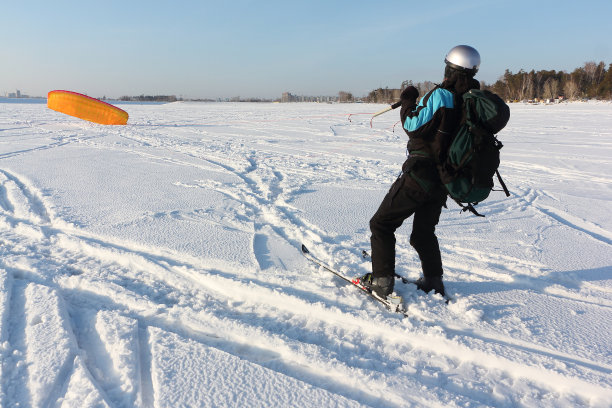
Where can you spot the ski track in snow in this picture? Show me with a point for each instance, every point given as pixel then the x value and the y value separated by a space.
pixel 92 319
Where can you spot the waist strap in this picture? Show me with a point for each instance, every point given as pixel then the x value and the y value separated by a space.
pixel 419 153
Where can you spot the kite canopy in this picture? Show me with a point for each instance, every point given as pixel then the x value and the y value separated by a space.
pixel 84 107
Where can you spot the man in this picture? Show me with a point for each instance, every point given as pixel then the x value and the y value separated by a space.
pixel 418 191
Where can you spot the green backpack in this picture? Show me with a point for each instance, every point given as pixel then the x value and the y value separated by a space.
pixel 473 156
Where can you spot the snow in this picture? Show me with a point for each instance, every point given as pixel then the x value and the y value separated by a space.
pixel 158 264
pixel 210 377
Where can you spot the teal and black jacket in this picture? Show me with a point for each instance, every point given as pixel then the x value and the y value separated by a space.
pixel 430 126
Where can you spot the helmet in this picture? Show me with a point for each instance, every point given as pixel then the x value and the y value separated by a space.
pixel 463 58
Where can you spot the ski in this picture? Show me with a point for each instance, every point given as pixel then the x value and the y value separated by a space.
pixel 393 303
pixel 366 255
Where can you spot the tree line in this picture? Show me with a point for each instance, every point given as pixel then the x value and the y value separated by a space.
pixel 150 98
pixel 386 95
pixel 591 81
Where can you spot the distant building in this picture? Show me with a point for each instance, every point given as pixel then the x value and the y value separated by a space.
pixel 287 97
pixel 16 94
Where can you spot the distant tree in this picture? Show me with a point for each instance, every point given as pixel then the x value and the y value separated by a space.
pixel 422 87
pixel 571 88
pixel 590 71
pixel 550 89
pixel 406 84
pixel 425 87
pixel 513 85
pixel 383 95
pixel 604 90
pixel 500 87
pixel 600 73
pixel 345 96
pixel 529 85
pixel 594 74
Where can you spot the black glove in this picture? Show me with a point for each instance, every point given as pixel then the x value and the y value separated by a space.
pixel 409 96
pixel 408 99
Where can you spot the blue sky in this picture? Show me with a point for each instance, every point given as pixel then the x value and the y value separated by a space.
pixel 263 48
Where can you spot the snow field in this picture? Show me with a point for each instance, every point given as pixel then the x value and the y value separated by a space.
pixel 157 264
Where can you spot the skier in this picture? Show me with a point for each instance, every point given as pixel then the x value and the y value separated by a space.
pixel 418 191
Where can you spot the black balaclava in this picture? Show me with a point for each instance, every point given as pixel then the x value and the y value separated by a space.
pixel 459 81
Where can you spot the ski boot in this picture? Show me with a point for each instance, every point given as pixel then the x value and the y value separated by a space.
pixel 382 286
pixel 429 283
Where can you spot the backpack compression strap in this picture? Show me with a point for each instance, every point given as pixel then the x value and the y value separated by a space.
pixel 502 184
pixel 469 207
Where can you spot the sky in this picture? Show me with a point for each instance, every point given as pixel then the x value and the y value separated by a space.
pixel 222 49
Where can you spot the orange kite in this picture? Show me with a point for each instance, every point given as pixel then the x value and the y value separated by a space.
pixel 84 107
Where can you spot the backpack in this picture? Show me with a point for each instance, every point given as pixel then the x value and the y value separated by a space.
pixel 473 156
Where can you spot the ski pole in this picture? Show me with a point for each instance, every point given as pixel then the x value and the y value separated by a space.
pixel 387 109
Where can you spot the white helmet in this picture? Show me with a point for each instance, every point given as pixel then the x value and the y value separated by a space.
pixel 463 58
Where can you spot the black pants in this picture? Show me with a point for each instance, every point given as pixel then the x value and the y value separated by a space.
pixel 404 199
